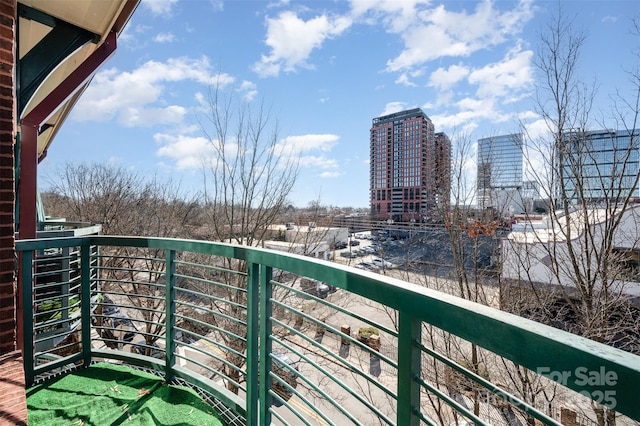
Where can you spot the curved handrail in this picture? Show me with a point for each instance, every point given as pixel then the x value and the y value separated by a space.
pixel 532 345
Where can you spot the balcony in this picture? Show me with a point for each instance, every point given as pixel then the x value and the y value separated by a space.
pixel 263 350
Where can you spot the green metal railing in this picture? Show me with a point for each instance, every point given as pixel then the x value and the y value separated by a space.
pixel 222 317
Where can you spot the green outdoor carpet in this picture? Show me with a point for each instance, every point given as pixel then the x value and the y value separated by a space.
pixel 107 394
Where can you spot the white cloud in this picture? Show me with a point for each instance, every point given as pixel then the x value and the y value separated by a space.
pixel 187 152
pixel 538 151
pixel 396 15
pixel 304 147
pixel 277 4
pixel 292 40
pixel 164 38
pixel 135 98
pixel 404 80
pixel 443 79
pixel 432 33
pixel 295 145
pixel 317 161
pixel 537 129
pixel 507 78
pixel 527 115
pixel 329 175
pixel 470 112
pixel 496 85
pixel 146 117
pixel 392 107
pixel 249 90
pixel 160 7
pixel 217 5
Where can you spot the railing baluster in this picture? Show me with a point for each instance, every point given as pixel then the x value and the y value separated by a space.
pixel 408 369
pixel 169 315
pixel 66 277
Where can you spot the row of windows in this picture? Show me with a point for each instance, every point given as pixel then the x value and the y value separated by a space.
pixel 411 181
pixel 407 207
pixel 611 156
pixel 388 208
pixel 409 194
pixel 412 155
pixel 604 171
pixel 381 183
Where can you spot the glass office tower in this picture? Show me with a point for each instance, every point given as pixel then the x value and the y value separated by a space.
pixel 499 173
pixel 598 166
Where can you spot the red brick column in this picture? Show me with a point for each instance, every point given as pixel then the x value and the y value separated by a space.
pixel 7 184
pixel 13 406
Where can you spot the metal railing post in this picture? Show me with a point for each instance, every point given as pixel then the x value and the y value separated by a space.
pixel 408 369
pixel 27 319
pixel 266 323
pixel 85 301
pixel 253 354
pixel 169 315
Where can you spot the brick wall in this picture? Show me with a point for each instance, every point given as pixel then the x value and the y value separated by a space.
pixel 13 406
pixel 7 186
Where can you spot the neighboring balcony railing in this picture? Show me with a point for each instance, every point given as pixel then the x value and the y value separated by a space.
pixel 59 227
pixel 292 339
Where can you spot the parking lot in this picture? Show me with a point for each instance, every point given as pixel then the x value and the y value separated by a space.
pixel 428 252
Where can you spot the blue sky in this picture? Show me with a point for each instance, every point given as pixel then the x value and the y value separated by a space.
pixel 326 68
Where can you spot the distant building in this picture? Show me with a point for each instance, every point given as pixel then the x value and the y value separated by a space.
pixel 311 240
pixel 536 251
pixel 410 167
pixel 598 165
pixel 442 190
pixel 499 175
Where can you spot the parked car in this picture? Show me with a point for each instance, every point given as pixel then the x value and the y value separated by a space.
pixel 348 254
pixel 354 243
pixel 339 245
pixel 316 288
pixel 380 263
pixel 366 265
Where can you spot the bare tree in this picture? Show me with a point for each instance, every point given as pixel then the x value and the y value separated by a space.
pixel 577 259
pixel 247 182
pixel 94 193
pixel 126 203
pixel 250 174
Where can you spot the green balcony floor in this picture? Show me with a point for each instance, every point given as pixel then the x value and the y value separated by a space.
pixel 107 394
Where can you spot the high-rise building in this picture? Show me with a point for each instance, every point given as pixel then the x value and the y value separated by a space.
pixel 442 189
pixel 410 167
pixel 499 177
pixel 598 166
